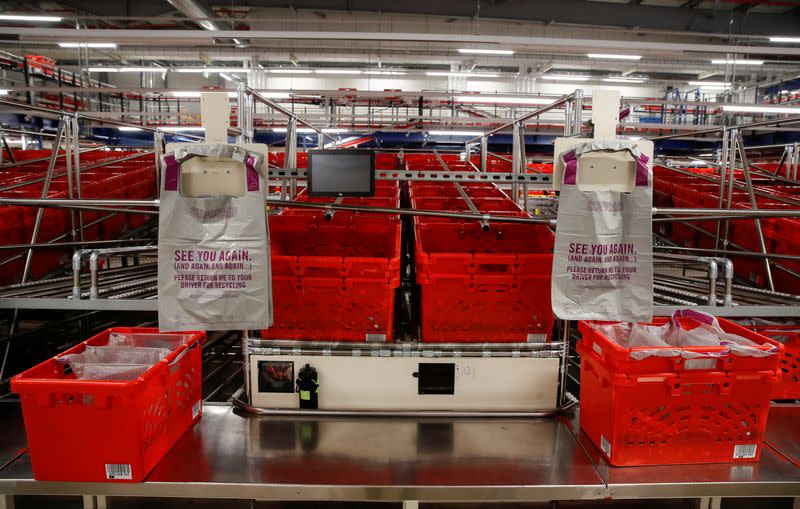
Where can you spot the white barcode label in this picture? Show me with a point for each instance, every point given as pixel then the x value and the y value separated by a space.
pixel 537 338
pixel 700 363
pixel 196 409
pixel 118 471
pixel 744 451
pixel 375 337
pixel 605 445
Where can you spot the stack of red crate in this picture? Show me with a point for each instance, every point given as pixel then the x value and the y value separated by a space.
pixel 334 276
pixel 479 283
pixel 133 178
pixel 781 235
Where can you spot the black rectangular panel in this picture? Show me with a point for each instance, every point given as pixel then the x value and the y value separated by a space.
pixel 436 378
pixel 341 173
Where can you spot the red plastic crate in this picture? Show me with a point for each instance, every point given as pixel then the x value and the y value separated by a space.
pixel 666 410
pixel 77 427
pixel 789 336
pixel 333 281
pixel 484 286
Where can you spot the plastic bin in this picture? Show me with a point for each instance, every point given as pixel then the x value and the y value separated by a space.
pixel 95 431
pixel 675 410
pixel 334 281
pixel 484 286
pixel 789 335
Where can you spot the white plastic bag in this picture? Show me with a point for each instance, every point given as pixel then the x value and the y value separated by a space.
pixel 672 339
pixel 603 254
pixel 111 372
pixel 117 355
pixel 143 339
pixel 213 252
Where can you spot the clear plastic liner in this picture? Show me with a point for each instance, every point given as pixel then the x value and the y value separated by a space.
pixel 670 339
pixel 147 340
pixel 111 372
pixel 117 355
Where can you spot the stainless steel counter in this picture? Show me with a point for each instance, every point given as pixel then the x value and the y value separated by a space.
pixel 229 455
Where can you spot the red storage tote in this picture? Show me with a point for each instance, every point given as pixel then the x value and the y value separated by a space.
pixel 334 281
pixel 484 286
pixel 789 335
pixel 94 430
pixel 675 410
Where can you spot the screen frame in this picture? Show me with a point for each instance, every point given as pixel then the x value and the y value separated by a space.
pixel 363 152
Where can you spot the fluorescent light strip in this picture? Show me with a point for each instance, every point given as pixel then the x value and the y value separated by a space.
pixel 791 40
pixel 87 45
pixel 566 77
pixel 623 79
pixel 722 84
pixel 455 133
pixel 760 109
pixel 385 73
pixel 461 74
pixel 326 130
pixel 21 17
pixel 193 94
pixel 502 100
pixel 3 92
pixel 480 51
pixel 722 61
pixel 290 71
pixel 211 70
pixel 611 56
pixel 128 69
pixel 337 71
pixel 177 129
pixel 129 129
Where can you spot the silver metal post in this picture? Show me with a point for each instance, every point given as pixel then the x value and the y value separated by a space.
pixel 158 151
pixel 70 186
pixel 578 112
pixel 246 365
pixel 562 389
pixel 739 143
pixel 290 157
pixel 76 165
pixel 516 155
pixel 484 152
pixel 732 135
pixel 723 168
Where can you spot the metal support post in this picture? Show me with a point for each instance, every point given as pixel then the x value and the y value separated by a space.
pixel 562 388
pixel 723 168
pixel 246 365
pixel 484 152
pixel 158 152
pixel 577 112
pixel 738 142
pixel 731 178
pixel 6 501
pixel 568 122
pixel 517 158
pixel 70 185
pixel 291 154
pixel 76 167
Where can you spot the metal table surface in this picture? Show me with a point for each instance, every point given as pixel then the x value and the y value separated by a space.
pixel 230 455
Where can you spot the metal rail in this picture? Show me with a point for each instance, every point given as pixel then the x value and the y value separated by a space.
pixel 761 123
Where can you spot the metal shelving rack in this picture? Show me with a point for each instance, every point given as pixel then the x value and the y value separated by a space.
pixel 562 464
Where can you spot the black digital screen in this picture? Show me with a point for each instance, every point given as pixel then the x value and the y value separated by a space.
pixel 341 173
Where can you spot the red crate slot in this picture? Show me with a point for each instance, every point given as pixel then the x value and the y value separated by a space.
pixel 334 280
pixel 484 286
pixel 104 423
pixel 671 410
pixel 789 336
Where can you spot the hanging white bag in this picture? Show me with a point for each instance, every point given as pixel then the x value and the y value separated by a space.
pixel 603 254
pixel 213 251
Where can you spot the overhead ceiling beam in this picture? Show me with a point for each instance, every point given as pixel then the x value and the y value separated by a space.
pixel 198 14
pixel 166 36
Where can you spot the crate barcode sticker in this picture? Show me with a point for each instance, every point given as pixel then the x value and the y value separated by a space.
pixel 537 338
pixel 118 471
pixel 196 409
pixel 605 445
pixel 744 451
pixel 375 337
pixel 700 363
